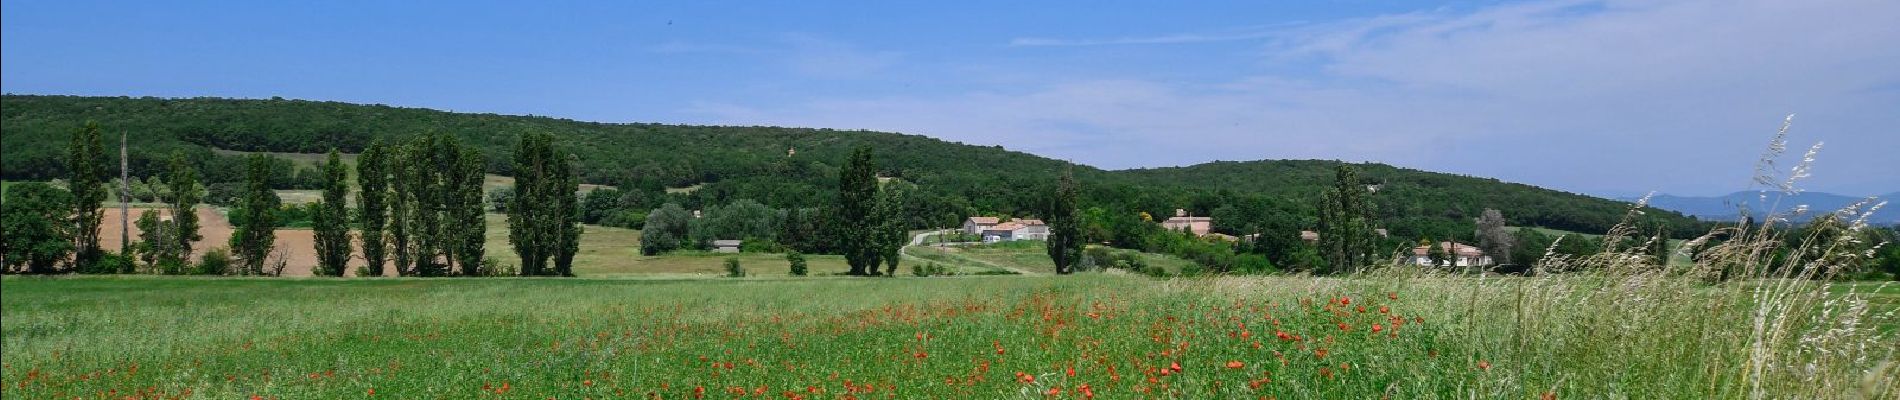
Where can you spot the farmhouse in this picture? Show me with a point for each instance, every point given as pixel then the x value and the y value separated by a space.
pixel 1460 254
pixel 976 225
pixel 1200 226
pixel 1016 229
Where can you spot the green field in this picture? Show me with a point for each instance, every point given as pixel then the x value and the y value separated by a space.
pixel 969 337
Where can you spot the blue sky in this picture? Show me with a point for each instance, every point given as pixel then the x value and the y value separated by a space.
pixel 1601 97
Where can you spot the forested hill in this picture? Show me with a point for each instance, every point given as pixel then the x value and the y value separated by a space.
pixel 781 167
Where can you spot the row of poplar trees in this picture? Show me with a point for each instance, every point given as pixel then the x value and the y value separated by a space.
pixel 420 209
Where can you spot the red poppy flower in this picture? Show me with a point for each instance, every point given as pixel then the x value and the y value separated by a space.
pixel 1235 364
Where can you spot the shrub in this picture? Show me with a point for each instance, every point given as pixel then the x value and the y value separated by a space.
pixel 797 262
pixel 215 261
pixel 109 263
pixel 733 270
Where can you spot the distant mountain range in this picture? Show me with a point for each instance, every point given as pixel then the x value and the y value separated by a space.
pixel 1729 207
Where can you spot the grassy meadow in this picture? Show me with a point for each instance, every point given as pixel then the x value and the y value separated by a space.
pixel 1090 335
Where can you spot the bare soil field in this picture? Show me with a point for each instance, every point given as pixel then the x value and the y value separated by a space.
pixel 296 247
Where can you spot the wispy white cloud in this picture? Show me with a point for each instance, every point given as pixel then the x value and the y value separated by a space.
pixel 1252 33
pixel 1591 95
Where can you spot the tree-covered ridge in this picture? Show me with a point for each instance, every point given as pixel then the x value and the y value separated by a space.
pixel 787 168
pixel 1404 197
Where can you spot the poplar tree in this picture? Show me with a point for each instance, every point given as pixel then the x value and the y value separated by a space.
pixel 889 234
pixel 253 238
pixel 857 196
pixel 331 221
pixel 372 181
pixel 526 212
pixel 543 216
pixel 1065 242
pixel 1345 223
pixel 470 221
pixel 401 247
pixel 184 198
pixel 85 161
pixel 423 177
pixel 566 215
pixel 1493 236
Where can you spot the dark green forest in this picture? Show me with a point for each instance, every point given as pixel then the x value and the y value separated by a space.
pixel 787 168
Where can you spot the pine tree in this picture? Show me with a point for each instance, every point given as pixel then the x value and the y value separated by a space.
pixel 1065 243
pixel 86 163
pixel 372 181
pixel 857 196
pixel 254 237
pixel 184 196
pixel 331 222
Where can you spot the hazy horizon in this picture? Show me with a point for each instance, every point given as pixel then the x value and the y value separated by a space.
pixel 1607 98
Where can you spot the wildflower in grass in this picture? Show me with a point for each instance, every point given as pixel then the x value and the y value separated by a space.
pixel 1235 365
pixel 372 391
pixel 699 392
pixel 587 382
pixel 1071 371
pixel 1484 365
pixel 1376 328
pixel 1025 377
pixel 1175 366
pixel 1053 391
pixel 1385 310
pixel 1325 372
pixel 1086 391
pixel 1547 396
pixel 1392 295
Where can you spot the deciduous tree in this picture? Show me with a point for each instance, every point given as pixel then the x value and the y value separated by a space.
pixel 331 220
pixel 183 193
pixel 372 181
pixel 86 166
pixel 1345 223
pixel 857 196
pixel 1065 242
pixel 254 236
pixel 1493 237
pixel 35 228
